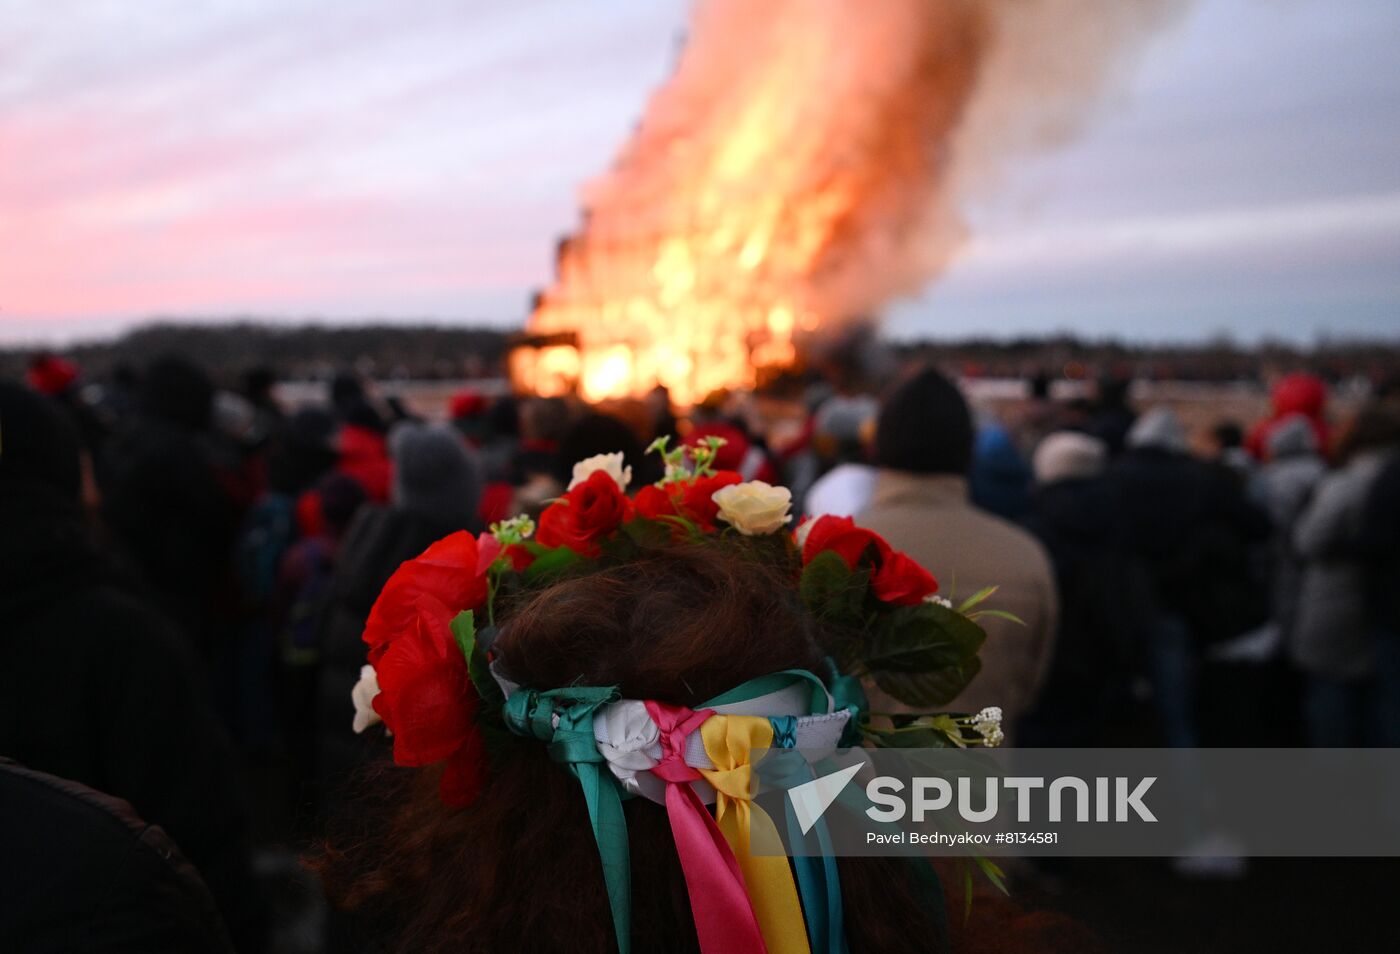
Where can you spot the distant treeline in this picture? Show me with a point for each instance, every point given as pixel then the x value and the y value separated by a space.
pixel 292 351
pixel 1213 361
pixel 439 352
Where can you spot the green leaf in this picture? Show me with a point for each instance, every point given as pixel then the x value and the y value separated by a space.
pixel 967 892
pixel 650 533
pixel 478 666
pixel 994 874
pixel 832 591
pixel 979 597
pixel 999 614
pixel 917 737
pixel 549 561
pixel 464 631
pixel 924 655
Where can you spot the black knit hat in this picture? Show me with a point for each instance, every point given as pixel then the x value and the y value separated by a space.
pixel 925 427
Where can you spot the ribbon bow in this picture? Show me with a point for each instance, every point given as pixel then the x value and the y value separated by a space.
pixel 729 741
pixel 564 719
pixel 724 916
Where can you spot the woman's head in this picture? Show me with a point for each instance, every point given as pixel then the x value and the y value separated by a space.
pixel 679 623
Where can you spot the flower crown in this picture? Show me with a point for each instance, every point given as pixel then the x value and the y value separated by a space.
pixel 432 682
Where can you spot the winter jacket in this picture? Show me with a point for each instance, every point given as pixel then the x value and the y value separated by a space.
pixel 167 499
pixel 1333 632
pixel 98 687
pixel 1192 527
pixel 1283 486
pixel 1379 546
pixel 930 517
pixel 1101 612
pixel 1001 479
pixel 84 872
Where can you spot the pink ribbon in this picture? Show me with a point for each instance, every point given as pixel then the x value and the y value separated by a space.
pixel 724 918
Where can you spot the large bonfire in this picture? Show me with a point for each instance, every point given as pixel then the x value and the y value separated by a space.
pixel 796 171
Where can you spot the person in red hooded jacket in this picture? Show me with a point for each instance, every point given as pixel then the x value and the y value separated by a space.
pixel 1298 393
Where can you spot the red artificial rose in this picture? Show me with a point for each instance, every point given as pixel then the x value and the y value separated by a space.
pixel 691 499
pixel 697 496
pixel 520 558
pixel 901 581
pixel 654 502
pixel 449 572
pixel 841 536
pixel 585 515
pixel 427 700
pixel 895 577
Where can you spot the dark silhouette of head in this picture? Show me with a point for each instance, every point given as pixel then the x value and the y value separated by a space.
pixel 258 384
pixel 596 433
pixel 39 445
pixel 346 391
pixel 925 427
pixel 178 392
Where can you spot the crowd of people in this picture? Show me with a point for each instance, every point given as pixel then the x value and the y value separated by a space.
pixel 186 570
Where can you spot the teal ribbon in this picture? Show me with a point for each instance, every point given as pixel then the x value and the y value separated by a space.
pixel 847 693
pixel 564 719
pixel 773 682
pixel 818 880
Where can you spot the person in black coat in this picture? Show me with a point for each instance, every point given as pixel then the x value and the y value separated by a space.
pixel 84 872
pixel 1379 546
pixel 97 685
pixel 167 497
pixel 1075 513
pixel 1194 531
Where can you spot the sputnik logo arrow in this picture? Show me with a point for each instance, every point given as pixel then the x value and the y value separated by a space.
pixel 810 800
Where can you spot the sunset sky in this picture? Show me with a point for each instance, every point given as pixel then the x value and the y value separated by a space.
pixel 289 159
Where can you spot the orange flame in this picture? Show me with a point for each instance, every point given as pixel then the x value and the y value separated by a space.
pixel 794 172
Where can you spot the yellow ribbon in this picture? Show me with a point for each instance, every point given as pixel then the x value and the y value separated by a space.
pixel 728 741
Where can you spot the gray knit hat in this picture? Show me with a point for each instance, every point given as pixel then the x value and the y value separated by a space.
pixel 435 473
pixel 1069 455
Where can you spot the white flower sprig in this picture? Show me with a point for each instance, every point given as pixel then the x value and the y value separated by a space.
pixel 987 724
pixel 515 530
pixel 685 461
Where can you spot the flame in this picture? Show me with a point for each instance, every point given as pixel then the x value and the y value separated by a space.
pixel 793 173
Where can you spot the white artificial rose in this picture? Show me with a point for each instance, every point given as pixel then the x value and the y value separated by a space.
pixel 363 696
pixel 753 507
pixel 628 738
pixel 610 464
